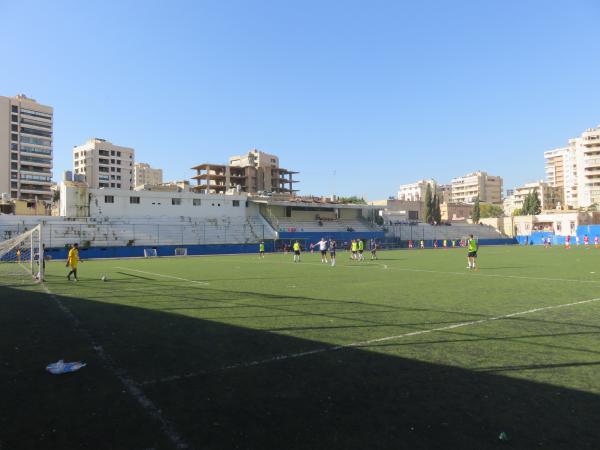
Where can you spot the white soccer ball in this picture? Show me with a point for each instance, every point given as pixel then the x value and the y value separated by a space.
pixel 104 278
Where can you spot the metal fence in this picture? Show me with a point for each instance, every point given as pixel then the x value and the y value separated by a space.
pixel 114 234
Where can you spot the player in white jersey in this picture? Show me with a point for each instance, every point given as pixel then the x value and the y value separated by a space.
pixel 323 249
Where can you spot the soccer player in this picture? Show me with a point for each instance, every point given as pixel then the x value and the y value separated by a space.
pixel 445 243
pixel 361 248
pixel 261 249
pixel 354 247
pixel 332 246
pixel 410 244
pixel 312 248
pixel 422 243
pixel 596 242
pixel 296 248
pixel 72 261
pixel 472 247
pixel 586 241
pixel 323 249
pixel 453 243
pixel 373 249
pixel 435 244
pixel 19 255
pixel 568 242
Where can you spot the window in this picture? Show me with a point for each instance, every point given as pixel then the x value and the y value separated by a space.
pixel 197 202
pixel 14 128
pixel 112 153
pixel 119 154
pixel 119 185
pixel 134 200
pixel 109 199
pixel 15 118
pixel 112 184
pixel 15 109
pixel 14 137
pixel 112 177
pixel 118 169
pixel 112 169
pixel 236 203
pixel 175 201
pixel 112 161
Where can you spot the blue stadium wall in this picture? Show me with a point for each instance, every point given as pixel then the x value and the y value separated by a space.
pixel 537 237
pixel 161 250
pixel 429 243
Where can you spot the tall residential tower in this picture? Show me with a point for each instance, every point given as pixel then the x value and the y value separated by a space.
pixel 25 148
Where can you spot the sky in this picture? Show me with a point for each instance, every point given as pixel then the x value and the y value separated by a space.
pixel 358 96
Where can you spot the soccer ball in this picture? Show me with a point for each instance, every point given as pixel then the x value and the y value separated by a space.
pixel 104 278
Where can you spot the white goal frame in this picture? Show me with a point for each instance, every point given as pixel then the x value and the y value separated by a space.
pixel 32 241
pixel 181 251
pixel 150 253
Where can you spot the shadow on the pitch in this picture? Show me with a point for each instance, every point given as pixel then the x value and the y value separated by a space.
pixel 345 399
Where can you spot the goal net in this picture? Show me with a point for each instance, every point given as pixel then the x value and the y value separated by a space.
pixel 150 253
pixel 20 257
pixel 181 251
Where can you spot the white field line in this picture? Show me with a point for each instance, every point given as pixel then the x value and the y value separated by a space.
pixel 132 387
pixel 366 343
pixel 164 276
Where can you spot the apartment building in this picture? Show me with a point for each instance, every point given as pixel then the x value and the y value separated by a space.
pixel 26 128
pixel 561 172
pixel 587 149
pixel 102 164
pixel 415 192
pixel 144 174
pixel 576 169
pixel 253 172
pixel 488 188
pixel 550 196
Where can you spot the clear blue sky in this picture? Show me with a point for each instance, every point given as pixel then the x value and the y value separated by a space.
pixel 382 92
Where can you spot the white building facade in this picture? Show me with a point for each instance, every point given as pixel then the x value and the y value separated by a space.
pixel 415 192
pixel 144 174
pixel 561 172
pixel 588 167
pixel 104 165
pixel 550 197
pixel 26 136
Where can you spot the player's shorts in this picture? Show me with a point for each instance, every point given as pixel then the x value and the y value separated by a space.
pixel 261 251
pixel 360 251
pixel 297 252
pixel 323 252
pixel 354 252
pixel 472 254
pixel 332 253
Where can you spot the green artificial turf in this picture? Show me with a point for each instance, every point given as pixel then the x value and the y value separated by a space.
pixel 239 352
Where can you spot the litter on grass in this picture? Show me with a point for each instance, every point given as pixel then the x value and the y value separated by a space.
pixel 61 367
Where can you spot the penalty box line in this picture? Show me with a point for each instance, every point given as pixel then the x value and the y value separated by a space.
pixel 204 283
pixel 359 344
pixel 134 389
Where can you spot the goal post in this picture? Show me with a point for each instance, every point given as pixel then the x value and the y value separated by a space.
pixel 23 255
pixel 150 253
pixel 181 251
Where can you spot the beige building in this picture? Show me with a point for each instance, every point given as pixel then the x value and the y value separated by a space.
pixel 455 212
pixel 253 172
pixel 144 174
pixel 25 148
pixel 550 197
pixel 104 165
pixel 415 192
pixel 487 188
pixel 587 148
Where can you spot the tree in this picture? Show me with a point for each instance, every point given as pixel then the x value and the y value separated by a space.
pixel 353 199
pixel 518 212
pixel 535 203
pixel 437 212
pixel 486 210
pixel 428 205
pixel 476 212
